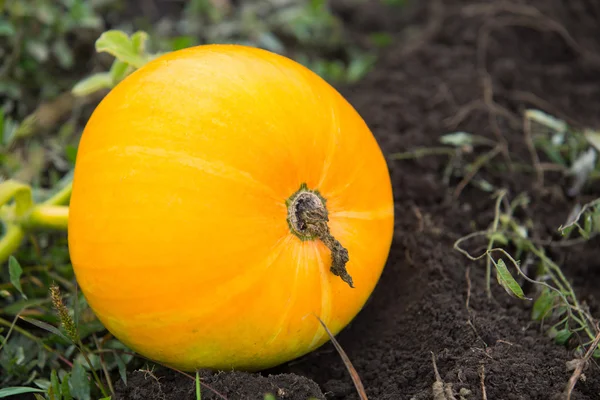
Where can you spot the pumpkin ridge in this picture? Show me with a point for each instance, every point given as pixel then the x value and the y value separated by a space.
pixel 293 292
pixel 210 167
pixel 330 155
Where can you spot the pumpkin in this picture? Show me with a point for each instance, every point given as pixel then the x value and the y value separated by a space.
pixel 226 198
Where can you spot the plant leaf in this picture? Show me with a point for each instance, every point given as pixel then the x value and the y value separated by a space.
pixel 15 271
pixel 54 381
pixel 80 384
pixel 457 139
pixel 119 45
pixel 92 84
pixel 122 368
pixel 543 305
pixel 546 120
pixel 65 389
pixel 46 327
pixel 118 71
pixel 562 336
pixel 593 137
pixel 11 391
pixel 138 40
pixel 506 280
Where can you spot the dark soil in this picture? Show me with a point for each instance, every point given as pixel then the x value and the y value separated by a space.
pixel 454 66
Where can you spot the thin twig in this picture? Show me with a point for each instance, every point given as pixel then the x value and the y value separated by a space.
pixel 482 380
pixel 109 382
pixel 475 167
pixel 580 365
pixel 353 373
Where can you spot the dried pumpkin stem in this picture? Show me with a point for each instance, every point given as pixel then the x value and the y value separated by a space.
pixel 308 218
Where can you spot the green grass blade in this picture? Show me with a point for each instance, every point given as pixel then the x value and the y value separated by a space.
pixel 12 391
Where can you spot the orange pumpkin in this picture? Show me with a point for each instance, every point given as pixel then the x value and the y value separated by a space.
pixel 213 188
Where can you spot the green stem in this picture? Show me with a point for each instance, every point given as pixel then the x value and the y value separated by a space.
pixel 61 197
pixel 96 377
pixel 10 241
pixel 24 214
pixel 48 217
pixel 20 192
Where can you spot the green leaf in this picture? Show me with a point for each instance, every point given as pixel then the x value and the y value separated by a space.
pixel 506 280
pixel 43 384
pixel 46 327
pixel 562 336
pixel 593 137
pixel 6 28
pixel 118 71
pixel 543 305
pixel 91 84
pixel 38 50
pixel 18 306
pixel 122 368
pixel 119 45
pixel 71 153
pixel 63 53
pixel 359 67
pixel 269 396
pixel 55 384
pixel 546 120
pixel 38 396
pixel 457 139
pixel 80 384
pixel 15 271
pixel 11 391
pixel 181 42
pixel 553 153
pixel 64 388
pixel 138 40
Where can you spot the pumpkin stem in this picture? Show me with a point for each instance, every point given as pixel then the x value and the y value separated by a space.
pixel 307 218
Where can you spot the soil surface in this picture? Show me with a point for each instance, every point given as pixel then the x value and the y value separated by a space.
pixel 453 66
